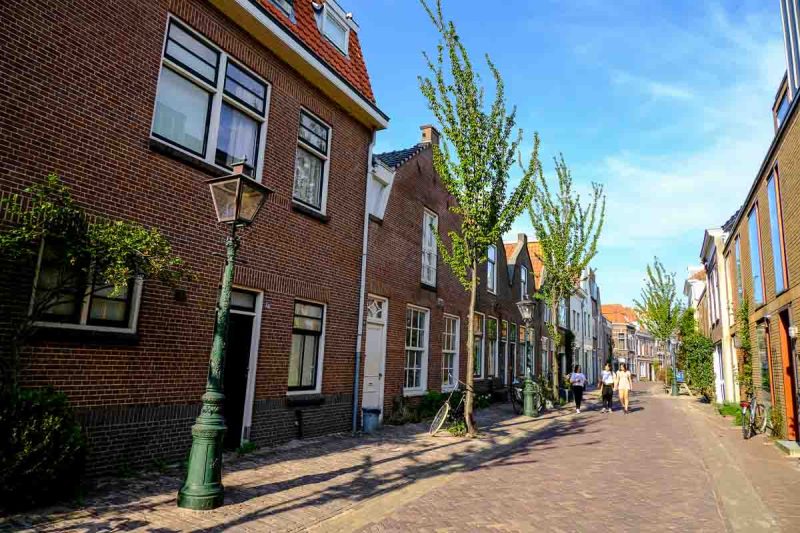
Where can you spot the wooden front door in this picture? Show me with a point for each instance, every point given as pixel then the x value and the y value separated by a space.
pixel 788 371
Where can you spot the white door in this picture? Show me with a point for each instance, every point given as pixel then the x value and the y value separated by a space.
pixel 375 353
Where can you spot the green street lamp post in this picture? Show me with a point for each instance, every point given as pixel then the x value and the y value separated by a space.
pixel 237 199
pixel 526 308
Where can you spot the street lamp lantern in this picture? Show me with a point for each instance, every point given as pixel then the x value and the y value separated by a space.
pixel 526 307
pixel 237 200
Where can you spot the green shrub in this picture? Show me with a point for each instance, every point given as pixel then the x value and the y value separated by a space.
pixel 458 429
pixel 431 402
pixel 731 409
pixel 42 449
pixel 776 421
pixel 246 447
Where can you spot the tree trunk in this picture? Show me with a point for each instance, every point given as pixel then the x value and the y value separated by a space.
pixel 556 341
pixel 469 378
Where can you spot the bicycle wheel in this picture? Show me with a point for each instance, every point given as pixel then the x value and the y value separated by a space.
pixel 747 424
pixel 438 420
pixel 761 418
pixel 516 399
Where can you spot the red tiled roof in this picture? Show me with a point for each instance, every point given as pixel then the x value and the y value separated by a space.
pixel 352 68
pixel 509 247
pixel 534 251
pixel 617 313
pixel 699 275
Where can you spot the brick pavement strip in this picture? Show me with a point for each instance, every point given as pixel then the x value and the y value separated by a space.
pixel 295 486
pixel 671 465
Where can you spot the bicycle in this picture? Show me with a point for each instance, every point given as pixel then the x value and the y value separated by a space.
pixel 754 417
pixel 517 398
pixel 447 412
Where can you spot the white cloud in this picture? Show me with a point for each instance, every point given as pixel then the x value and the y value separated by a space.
pixel 653 88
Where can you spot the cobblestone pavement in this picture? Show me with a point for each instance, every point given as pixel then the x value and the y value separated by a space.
pixel 671 464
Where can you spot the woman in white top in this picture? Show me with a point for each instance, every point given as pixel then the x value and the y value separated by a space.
pixel 623 384
pixel 607 387
pixel 578 382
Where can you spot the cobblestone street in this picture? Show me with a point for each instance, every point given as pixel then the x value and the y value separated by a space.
pixel 562 472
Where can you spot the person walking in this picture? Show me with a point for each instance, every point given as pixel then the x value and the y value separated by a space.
pixel 624 385
pixel 578 382
pixel 607 387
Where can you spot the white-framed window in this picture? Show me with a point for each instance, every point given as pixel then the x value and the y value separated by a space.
pixel 207 105
pixel 522 352
pixel 71 297
pixel 417 328
pixel 430 225
pixel 308 342
pixel 450 344
pixel 312 162
pixel 491 334
pixel 335 30
pixel 512 349
pixel 491 268
pixel 523 282
pixel 562 313
pixel 479 330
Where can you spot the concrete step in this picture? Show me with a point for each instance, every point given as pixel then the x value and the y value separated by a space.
pixel 789 447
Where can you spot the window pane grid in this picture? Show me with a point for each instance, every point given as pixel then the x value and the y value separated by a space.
pixel 449 350
pixel 415 347
pixel 304 357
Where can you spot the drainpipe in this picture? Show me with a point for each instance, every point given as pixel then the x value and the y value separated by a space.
pixel 363 288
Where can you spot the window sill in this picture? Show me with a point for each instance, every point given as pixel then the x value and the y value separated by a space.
pixel 168 150
pixel 428 287
pixel 413 393
pixel 304 399
pixel 85 335
pixel 313 213
pixel 376 219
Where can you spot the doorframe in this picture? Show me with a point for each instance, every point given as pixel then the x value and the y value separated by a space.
pixel 255 337
pixel 789 374
pixel 385 323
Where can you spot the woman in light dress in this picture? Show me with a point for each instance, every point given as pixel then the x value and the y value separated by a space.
pixel 623 384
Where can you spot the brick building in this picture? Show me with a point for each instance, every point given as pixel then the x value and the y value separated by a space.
pixel 417 314
pixel 762 254
pixel 135 105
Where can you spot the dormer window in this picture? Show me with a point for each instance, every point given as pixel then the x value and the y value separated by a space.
pixel 287 6
pixel 335 29
pixel 781 109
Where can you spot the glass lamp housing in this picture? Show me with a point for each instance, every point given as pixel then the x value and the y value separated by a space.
pixel 526 309
pixel 237 198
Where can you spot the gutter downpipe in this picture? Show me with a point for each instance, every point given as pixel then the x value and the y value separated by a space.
pixel 362 289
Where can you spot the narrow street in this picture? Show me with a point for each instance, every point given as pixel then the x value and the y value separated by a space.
pixel 669 464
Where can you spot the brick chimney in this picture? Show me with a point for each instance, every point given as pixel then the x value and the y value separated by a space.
pixel 430 135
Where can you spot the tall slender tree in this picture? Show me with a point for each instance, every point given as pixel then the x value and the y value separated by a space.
pixel 568 233
pixel 479 146
pixel 658 309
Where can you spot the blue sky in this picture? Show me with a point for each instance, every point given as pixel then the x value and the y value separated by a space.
pixel 667 103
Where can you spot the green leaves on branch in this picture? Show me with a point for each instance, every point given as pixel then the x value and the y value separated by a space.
pixel 745 377
pixel 658 309
pixel 568 233
pixel 478 148
pixel 696 355
pixel 114 251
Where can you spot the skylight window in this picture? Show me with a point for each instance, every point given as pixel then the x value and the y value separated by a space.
pixel 335 30
pixel 287 6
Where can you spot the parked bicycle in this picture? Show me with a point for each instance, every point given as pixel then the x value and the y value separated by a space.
pixel 447 412
pixel 754 417
pixel 515 395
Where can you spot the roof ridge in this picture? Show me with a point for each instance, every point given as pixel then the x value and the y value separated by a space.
pixel 397 158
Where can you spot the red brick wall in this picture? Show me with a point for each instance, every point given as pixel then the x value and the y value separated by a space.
pixel 76 98
pixel 394 272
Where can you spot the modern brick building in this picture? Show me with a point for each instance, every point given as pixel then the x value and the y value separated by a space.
pixel 762 254
pixel 135 105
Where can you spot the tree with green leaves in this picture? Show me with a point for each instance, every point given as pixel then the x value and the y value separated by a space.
pixel 745 377
pixel 479 145
pixel 82 253
pixel 696 355
pixel 568 233
pixel 658 309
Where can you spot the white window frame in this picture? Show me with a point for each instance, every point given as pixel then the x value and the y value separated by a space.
pixel 133 315
pixel 455 351
pixel 320 358
pixel 423 380
pixel 482 373
pixel 330 15
pixel 326 162
pixel 491 269
pixel 217 97
pixel 432 226
pixel 523 282
pixel 493 344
